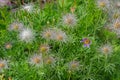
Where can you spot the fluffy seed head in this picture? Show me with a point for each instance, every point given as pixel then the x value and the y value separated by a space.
pixel 50 60
pixel 69 20
pixel 60 36
pixel 28 7
pixel 26 35
pixel 3 64
pixel 106 49
pixel 115 4
pixel 116 15
pixel 54 34
pixel 103 3
pixel 44 48
pixel 36 60
pixel 15 26
pixel 48 34
pixel 73 65
pixel 118 4
pixel 115 26
pixel 8 45
pixel 4 3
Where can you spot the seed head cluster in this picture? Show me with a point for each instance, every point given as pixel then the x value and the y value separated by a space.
pixel 50 41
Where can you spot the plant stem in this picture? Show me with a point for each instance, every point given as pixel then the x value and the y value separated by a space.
pixel 69 75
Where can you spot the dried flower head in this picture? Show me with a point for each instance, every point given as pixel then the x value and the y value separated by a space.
pixel 8 45
pixel 115 26
pixel 60 36
pixel 48 33
pixel 26 35
pixel 106 49
pixel 115 4
pixel 69 20
pixel 50 60
pixel 36 60
pixel 118 4
pixel 4 3
pixel 87 42
pixel 54 34
pixel 73 65
pixel 115 14
pixel 103 3
pixel 16 26
pixel 9 78
pixel 44 48
pixel 28 7
pixel 72 9
pixel 3 64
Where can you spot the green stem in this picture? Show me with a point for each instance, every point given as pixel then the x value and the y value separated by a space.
pixel 62 3
pixel 69 76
